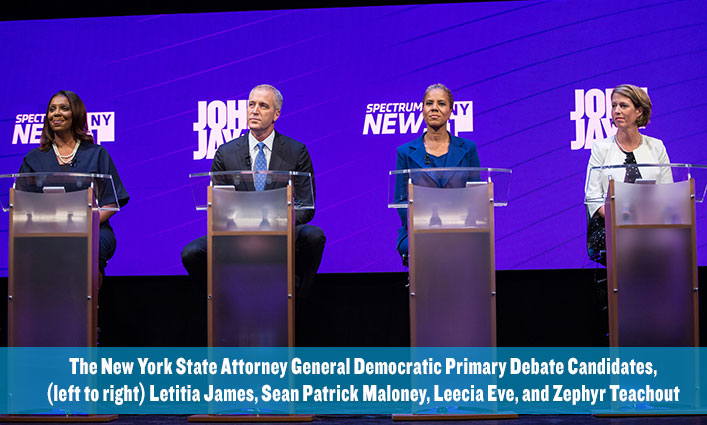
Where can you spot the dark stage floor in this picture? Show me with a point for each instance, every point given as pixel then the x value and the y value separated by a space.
pixel 386 420
pixel 535 308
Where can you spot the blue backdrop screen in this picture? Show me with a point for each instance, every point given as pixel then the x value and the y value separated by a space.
pixel 529 79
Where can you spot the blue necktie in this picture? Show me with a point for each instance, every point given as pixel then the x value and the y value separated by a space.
pixel 260 165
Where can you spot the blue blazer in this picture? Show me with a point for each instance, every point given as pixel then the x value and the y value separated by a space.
pixel 462 153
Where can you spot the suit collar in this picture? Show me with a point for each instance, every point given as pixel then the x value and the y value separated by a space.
pixel 278 146
pixel 276 161
pixel 241 156
pixel 253 142
pixel 418 152
pixel 454 155
pixel 242 152
pixel 456 152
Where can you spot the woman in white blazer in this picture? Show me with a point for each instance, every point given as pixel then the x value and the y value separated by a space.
pixel 630 109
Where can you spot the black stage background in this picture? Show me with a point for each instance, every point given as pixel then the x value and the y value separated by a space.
pixel 552 308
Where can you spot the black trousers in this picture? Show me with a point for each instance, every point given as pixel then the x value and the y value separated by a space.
pixel 596 238
pixel 106 245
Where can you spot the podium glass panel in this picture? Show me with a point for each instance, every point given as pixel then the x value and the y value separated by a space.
pixel 451 247
pixel 50 301
pixel 655 287
pixel 50 212
pixel 235 210
pixel 243 181
pixel 651 253
pixel 653 203
pixel 451 208
pixel 250 245
pixel 53 265
pixel 250 290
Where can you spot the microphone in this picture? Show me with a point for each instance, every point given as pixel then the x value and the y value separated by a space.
pixel 247 160
pixel 427 159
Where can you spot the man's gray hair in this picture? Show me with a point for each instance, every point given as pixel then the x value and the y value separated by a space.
pixel 278 95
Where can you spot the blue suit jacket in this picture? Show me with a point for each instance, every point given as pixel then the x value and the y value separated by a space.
pixel 287 155
pixel 462 153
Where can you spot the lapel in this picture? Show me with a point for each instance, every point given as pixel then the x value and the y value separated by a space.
pixel 455 155
pixel 278 147
pixel 644 156
pixel 241 151
pixel 417 152
pixel 276 162
pixel 456 152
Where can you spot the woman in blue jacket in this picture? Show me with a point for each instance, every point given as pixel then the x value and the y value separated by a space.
pixel 435 148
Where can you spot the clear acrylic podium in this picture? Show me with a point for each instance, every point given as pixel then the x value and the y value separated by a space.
pixel 250 240
pixel 53 257
pixel 251 265
pixel 651 252
pixel 450 219
pixel 53 270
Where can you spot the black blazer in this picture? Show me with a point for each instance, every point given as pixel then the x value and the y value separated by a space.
pixel 287 155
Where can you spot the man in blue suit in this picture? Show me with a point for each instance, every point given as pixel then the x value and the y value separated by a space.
pixel 279 153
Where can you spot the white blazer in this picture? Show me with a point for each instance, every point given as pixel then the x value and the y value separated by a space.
pixel 607 152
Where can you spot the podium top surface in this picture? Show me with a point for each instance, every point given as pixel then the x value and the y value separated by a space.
pixel 254 181
pixel 597 181
pixel 670 165
pixel 274 173
pixel 58 175
pixel 61 182
pixel 490 171
pixel 448 178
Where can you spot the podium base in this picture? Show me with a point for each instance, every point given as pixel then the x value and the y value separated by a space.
pixel 58 418
pixel 250 418
pixel 455 416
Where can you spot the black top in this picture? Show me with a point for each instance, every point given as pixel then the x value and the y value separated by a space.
pixel 90 158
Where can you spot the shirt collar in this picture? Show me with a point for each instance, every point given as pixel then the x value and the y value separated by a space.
pixel 253 142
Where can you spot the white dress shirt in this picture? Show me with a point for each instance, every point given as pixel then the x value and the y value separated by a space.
pixel 267 149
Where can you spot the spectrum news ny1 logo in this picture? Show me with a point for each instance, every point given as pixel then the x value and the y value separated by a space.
pixel 28 127
pixel 406 118
pixel 219 121
pixel 592 117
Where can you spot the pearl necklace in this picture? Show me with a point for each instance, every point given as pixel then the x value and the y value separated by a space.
pixel 66 159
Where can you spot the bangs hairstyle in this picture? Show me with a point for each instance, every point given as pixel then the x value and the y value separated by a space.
pixel 442 87
pixel 79 121
pixel 639 98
